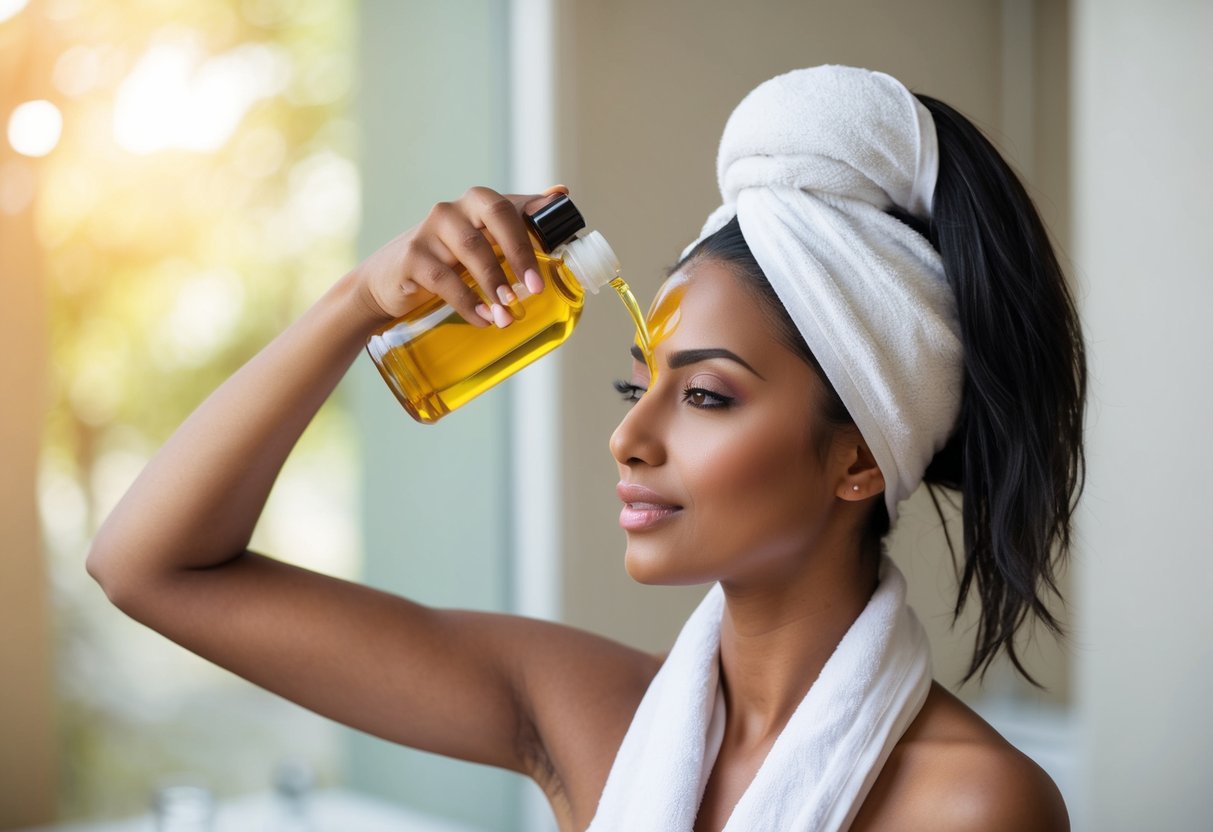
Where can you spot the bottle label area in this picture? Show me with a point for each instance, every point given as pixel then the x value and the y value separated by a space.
pixel 434 361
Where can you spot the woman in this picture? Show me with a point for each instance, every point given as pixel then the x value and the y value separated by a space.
pixel 875 304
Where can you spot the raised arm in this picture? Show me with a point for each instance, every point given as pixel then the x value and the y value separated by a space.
pixel 173 554
pixel 196 503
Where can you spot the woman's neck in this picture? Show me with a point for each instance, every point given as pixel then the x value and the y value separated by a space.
pixel 776 637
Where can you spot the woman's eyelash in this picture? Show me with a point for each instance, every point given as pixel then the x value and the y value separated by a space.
pixel 707 400
pixel 696 397
pixel 630 392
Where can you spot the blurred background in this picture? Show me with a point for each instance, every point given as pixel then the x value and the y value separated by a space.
pixel 179 179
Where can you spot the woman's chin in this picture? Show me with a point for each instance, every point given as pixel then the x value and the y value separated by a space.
pixel 654 569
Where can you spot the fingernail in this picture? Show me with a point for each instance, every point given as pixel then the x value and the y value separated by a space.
pixel 505 295
pixel 501 316
pixel 533 281
pixel 521 291
pixel 484 312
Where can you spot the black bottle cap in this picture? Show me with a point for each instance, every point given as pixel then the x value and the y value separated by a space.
pixel 556 223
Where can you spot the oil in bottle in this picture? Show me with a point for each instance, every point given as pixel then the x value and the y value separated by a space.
pixel 435 361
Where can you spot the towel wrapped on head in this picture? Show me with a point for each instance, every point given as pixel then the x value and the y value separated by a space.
pixel 810 164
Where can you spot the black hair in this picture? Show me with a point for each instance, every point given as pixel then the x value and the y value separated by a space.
pixel 1016 455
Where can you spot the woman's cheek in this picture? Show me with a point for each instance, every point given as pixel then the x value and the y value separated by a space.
pixel 743 461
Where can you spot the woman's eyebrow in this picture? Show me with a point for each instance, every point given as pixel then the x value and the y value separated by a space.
pixel 685 357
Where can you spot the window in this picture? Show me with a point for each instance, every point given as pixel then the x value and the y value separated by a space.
pixel 195 190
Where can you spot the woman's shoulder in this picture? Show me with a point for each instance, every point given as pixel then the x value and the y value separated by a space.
pixel 952 771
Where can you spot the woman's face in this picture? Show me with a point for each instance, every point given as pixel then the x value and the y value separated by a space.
pixel 720 472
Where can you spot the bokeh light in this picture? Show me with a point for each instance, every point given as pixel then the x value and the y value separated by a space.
pixel 177 97
pixel 77 70
pixel 34 128
pixel 10 8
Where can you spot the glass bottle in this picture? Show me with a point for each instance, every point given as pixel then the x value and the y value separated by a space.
pixel 435 361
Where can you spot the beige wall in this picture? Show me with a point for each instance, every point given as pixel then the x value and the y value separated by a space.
pixel 643 92
pixel 1142 173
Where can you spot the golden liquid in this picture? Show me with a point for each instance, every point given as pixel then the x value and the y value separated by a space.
pixel 435 361
pixel 642 331
pixel 666 312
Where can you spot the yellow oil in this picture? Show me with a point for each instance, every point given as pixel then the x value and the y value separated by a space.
pixel 642 331
pixel 435 361
pixel 666 312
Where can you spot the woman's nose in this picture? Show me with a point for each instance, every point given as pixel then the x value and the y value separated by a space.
pixel 637 438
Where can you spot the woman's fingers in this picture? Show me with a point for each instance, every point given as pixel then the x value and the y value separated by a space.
pixel 500 218
pixel 430 268
pixel 457 229
pixel 530 204
pixel 556 189
pixel 455 241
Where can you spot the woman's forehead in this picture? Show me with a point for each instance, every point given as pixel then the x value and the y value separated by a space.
pixel 707 296
pixel 706 306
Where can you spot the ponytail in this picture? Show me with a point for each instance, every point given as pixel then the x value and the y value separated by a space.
pixel 1016 455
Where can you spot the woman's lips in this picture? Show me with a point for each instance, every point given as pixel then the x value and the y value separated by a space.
pixel 643 507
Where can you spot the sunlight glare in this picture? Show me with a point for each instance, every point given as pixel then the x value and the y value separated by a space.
pixel 176 97
pixel 34 128
pixel 9 8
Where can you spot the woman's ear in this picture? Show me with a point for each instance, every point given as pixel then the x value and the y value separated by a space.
pixel 859 476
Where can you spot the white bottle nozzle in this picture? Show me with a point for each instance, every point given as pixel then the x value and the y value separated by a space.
pixel 590 257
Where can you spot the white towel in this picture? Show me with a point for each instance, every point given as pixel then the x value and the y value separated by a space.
pixel 823 763
pixel 809 162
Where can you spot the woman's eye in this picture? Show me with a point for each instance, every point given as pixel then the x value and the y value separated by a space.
pixel 705 399
pixel 631 392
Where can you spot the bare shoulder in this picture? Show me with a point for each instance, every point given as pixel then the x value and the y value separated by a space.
pixel 952 771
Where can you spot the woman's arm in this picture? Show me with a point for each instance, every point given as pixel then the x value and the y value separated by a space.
pixel 196 503
pixel 173 554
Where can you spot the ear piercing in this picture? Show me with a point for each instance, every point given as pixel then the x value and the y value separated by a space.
pixel 854 487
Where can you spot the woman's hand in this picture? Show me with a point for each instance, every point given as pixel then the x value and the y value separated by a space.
pixel 456 236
